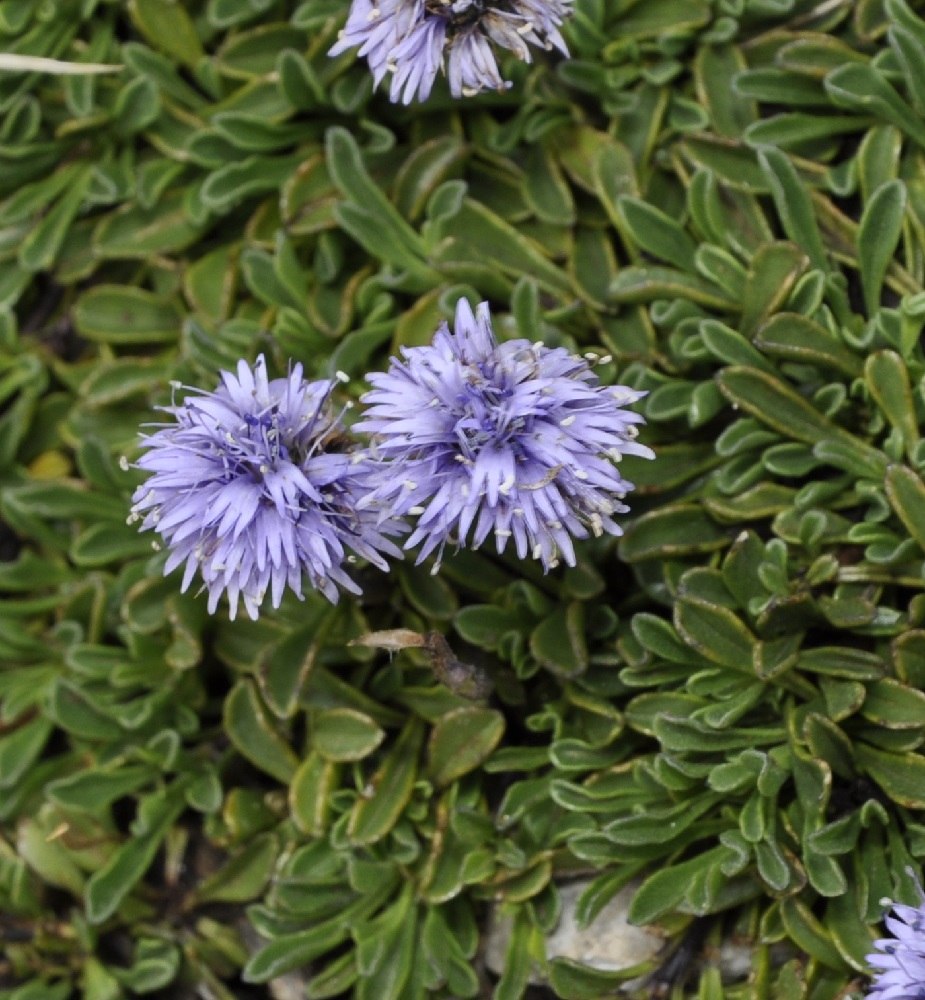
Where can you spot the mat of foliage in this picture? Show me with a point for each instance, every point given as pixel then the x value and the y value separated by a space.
pixel 728 197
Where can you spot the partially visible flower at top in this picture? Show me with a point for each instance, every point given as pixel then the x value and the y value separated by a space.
pixel 515 439
pixel 252 487
pixel 412 39
pixel 899 963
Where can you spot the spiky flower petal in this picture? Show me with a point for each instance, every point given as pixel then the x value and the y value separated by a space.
pixel 252 487
pixel 899 962
pixel 515 439
pixel 414 39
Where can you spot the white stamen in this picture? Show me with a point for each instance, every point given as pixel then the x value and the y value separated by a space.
pixel 341 376
pixel 568 421
pixel 123 463
pixel 416 510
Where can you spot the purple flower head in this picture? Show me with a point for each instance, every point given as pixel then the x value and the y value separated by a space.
pixel 412 39
pixel 899 963
pixel 515 439
pixel 250 486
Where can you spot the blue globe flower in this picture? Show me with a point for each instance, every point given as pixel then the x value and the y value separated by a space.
pixel 414 39
pixel 253 487
pixel 899 963
pixel 516 439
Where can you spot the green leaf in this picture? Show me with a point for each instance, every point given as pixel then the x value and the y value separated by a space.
pixel 777 405
pixel 73 712
pixel 808 933
pixel 877 237
pixel 645 284
pixel 137 106
pixel 368 215
pixel 794 337
pixel 794 205
pixel 20 748
pixel 133 231
pixel 252 730
pixel 96 789
pixel 657 233
pixel 888 381
pixel 290 951
pixel 155 964
pixel 310 793
pixel 852 935
pixel 901 776
pixel 461 740
pixel 861 87
pixel 119 314
pixel 344 734
pixel 545 188
pixel 39 250
pixel 559 643
pixel 103 544
pixel 675 529
pixel 772 275
pixel 386 950
pixel 731 110
pixel 575 981
pixel 716 633
pixel 244 876
pixel 109 886
pixel 664 890
pixel 906 493
pixel 242 179
pixel 894 705
pixel 491 239
pixel 169 28
pixel 385 796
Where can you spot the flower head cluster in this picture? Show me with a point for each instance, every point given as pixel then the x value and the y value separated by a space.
pixel 900 961
pixel 515 439
pixel 250 486
pixel 414 39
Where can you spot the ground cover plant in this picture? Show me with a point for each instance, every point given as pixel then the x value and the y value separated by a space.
pixel 717 203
